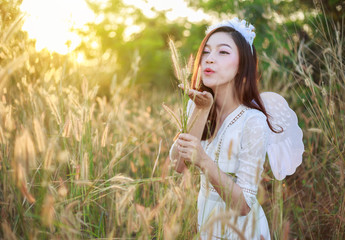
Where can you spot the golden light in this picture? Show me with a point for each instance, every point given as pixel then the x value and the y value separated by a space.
pixel 50 22
pixel 80 58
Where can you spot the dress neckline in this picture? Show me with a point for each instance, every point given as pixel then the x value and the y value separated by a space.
pixel 226 121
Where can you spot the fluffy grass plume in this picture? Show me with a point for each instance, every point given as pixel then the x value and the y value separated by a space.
pixel 182 74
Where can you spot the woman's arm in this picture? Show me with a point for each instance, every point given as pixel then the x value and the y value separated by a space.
pixel 228 190
pixel 242 194
pixel 196 123
pixel 232 194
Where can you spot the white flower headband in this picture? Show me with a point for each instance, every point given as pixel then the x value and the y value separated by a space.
pixel 241 26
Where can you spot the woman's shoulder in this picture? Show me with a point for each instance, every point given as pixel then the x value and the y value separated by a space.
pixel 254 116
pixel 255 127
pixel 254 113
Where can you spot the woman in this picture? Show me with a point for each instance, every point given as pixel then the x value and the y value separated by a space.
pixel 230 131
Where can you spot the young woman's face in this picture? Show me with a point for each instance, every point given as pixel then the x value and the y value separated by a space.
pixel 220 60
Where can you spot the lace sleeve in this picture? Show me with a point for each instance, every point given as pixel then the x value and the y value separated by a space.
pixel 252 156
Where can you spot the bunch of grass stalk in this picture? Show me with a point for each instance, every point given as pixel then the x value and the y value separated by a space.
pixel 182 74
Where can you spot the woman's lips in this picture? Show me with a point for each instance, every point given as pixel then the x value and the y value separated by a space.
pixel 208 71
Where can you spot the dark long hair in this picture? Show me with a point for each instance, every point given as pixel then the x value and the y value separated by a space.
pixel 245 82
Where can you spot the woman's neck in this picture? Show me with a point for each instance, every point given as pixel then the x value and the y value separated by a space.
pixel 225 102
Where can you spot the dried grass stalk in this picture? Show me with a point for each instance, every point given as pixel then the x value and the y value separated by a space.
pixel 175 57
pixel 182 74
pixel 24 151
pixel 48 211
pixel 173 115
pixel 8 233
pixel 105 136
pixel 230 149
pixel 66 133
pixel 54 110
pixel 85 167
pixel 40 138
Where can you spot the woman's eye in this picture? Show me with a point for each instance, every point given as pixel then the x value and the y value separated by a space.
pixel 205 52
pixel 224 52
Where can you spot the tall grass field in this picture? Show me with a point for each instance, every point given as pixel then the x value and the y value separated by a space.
pixel 76 164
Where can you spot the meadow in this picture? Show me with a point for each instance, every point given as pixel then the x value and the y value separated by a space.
pixel 76 163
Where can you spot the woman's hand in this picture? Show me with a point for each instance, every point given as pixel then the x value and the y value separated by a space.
pixel 203 100
pixel 190 149
pixel 178 164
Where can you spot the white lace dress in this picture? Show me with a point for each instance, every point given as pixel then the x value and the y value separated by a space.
pixel 245 131
pixel 239 149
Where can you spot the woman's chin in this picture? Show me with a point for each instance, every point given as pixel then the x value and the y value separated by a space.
pixel 209 83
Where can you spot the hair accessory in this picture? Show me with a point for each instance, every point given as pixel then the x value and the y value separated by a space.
pixel 241 26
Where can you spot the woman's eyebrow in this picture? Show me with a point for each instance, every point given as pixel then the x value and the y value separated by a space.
pixel 224 44
pixel 220 45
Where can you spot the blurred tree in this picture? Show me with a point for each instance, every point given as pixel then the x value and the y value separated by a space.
pixel 280 24
pixel 264 14
pixel 142 56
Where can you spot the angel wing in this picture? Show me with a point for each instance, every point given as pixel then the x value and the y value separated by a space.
pixel 284 149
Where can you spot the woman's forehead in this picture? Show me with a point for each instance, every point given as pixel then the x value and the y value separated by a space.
pixel 220 39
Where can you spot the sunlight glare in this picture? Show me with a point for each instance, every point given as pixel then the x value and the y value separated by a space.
pixel 80 57
pixel 50 22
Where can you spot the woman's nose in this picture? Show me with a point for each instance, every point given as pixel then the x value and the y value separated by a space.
pixel 210 58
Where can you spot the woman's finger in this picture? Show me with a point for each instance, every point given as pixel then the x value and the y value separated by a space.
pixel 194 93
pixel 186 137
pixel 183 145
pixel 191 94
pixel 185 156
pixel 208 96
pixel 183 151
pixel 203 99
pixel 186 148
pixel 183 140
pixel 188 156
